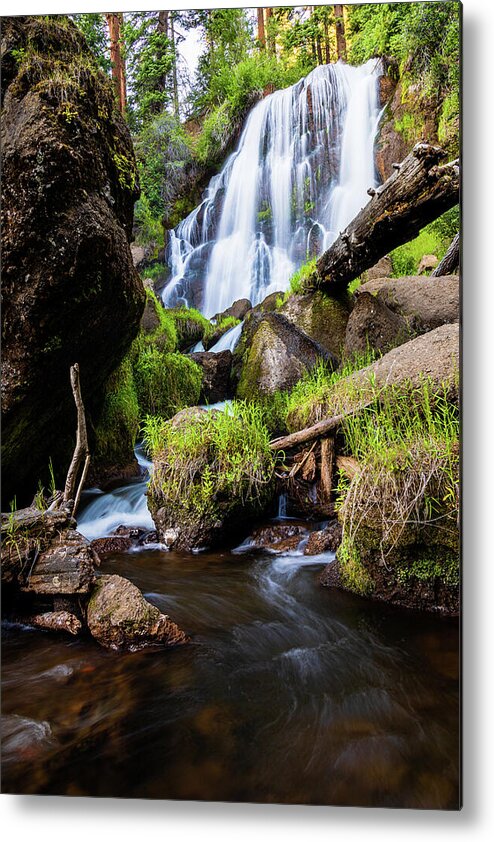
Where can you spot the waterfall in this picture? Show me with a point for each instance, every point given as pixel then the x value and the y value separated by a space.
pixel 301 172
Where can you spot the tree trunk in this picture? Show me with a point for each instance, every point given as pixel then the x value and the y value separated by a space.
pixel 327 53
pixel 319 50
pixel 115 22
pixel 163 22
pixel 450 261
pixel 175 78
pixel 415 194
pixel 270 33
pixel 340 31
pixel 162 28
pixel 261 32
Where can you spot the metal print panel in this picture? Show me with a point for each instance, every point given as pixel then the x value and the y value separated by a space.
pixel 230 451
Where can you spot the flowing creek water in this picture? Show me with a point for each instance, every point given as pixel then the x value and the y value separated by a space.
pixel 288 692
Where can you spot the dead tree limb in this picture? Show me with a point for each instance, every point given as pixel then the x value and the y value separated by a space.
pixel 81 446
pixel 317 431
pixel 450 261
pixel 327 466
pixel 415 194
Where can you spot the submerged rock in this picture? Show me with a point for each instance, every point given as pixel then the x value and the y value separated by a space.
pixel 279 537
pixel 70 290
pixel 274 354
pixel 119 617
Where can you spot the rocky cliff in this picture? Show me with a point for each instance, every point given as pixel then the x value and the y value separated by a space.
pixel 70 291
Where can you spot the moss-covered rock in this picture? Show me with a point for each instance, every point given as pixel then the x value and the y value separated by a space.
pixel 213 473
pixel 165 382
pixel 273 354
pixel 321 317
pixel 70 291
pixel 373 325
pixel 191 326
pixel 158 325
pixel 117 428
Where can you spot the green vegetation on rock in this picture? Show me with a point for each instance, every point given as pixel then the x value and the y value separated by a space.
pixel 118 425
pixel 165 382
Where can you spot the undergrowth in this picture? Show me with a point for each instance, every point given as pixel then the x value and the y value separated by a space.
pixel 165 382
pixel 211 461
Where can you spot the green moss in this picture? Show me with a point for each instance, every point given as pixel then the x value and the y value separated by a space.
pixel 191 326
pixel 353 574
pixel 118 425
pixel 160 330
pixel 410 126
pixel 165 382
pixel 448 131
pixel 431 567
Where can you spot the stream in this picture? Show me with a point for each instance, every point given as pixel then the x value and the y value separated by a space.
pixel 288 692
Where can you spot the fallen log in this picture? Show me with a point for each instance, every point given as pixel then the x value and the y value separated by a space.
pixel 450 261
pixel 317 431
pixel 417 192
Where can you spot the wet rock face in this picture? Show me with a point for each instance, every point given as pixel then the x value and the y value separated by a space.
pixel 119 617
pixel 216 369
pixel 70 290
pixel 274 354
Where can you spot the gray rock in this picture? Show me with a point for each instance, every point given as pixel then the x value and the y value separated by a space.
pixel 119 617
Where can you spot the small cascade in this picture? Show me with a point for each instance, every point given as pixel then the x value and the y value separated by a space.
pixel 282 505
pixel 301 171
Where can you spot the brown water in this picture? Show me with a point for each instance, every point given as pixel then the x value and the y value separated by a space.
pixel 288 693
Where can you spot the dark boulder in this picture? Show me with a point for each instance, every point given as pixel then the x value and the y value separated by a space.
pixel 70 290
pixel 216 369
pixel 425 302
pixel 372 325
pixel 238 310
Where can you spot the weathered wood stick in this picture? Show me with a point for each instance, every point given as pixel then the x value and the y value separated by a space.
pixel 317 431
pixel 81 484
pixel 81 446
pixel 327 466
pixel 450 261
pixel 414 195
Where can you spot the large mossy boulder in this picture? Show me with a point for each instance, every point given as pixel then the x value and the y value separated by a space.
pixel 400 536
pixel 213 473
pixel 119 617
pixel 321 317
pixel 70 290
pixel 273 354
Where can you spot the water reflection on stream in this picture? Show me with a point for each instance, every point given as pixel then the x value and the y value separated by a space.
pixel 288 693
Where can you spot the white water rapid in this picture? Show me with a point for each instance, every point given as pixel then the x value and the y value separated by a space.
pixel 301 172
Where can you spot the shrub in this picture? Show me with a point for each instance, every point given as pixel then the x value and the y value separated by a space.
pixel 165 382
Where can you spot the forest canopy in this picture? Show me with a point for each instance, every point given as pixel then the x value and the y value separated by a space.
pixel 180 115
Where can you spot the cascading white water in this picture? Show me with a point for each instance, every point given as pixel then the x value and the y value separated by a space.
pixel 301 172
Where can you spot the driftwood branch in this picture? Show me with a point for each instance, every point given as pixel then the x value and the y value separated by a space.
pixel 317 431
pixel 81 451
pixel 450 261
pixel 414 195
